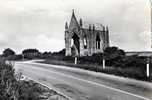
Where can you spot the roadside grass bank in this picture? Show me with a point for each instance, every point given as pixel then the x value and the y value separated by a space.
pixel 129 72
pixel 44 93
pixel 14 86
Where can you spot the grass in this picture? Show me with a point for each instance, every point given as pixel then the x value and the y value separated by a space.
pixel 130 72
pixel 31 90
pixel 13 87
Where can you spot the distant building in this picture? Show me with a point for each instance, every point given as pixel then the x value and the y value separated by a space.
pixel 85 40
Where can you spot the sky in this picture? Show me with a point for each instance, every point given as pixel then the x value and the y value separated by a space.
pixel 40 23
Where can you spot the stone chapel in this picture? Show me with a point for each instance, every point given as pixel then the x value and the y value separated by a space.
pixel 83 39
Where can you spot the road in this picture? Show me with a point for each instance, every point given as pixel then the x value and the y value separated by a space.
pixel 85 85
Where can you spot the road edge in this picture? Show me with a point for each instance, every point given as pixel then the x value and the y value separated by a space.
pixel 58 92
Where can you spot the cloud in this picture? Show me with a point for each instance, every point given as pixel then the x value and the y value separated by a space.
pixel 40 24
pixel 49 44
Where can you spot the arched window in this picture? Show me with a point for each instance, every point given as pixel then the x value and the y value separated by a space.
pixel 97 42
pixel 85 42
pixel 75 42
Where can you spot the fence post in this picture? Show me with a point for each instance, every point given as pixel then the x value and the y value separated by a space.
pixel 103 63
pixel 75 61
pixel 147 67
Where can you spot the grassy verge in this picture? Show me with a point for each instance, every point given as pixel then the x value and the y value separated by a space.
pixel 131 72
pixel 13 86
pixel 30 89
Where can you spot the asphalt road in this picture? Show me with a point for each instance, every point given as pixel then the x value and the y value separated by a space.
pixel 81 85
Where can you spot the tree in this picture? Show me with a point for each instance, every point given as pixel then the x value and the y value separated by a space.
pixel 61 52
pixel 26 51
pixel 8 52
pixel 31 53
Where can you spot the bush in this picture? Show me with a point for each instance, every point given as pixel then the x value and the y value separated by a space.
pixel 61 53
pixel 94 59
pixel 68 58
pixel 46 55
pixel 14 57
pixel 8 82
pixel 12 88
pixel 114 56
pixel 29 91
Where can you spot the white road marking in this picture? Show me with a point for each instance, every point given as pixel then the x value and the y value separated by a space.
pixel 101 85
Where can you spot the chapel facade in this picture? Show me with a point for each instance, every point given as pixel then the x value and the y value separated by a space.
pixel 85 39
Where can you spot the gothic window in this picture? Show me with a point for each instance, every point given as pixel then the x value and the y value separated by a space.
pixel 85 42
pixel 97 42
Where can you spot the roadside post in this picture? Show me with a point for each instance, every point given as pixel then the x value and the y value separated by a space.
pixel 147 67
pixel 103 63
pixel 75 60
pixel 104 60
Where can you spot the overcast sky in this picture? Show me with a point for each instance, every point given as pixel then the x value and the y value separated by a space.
pixel 40 23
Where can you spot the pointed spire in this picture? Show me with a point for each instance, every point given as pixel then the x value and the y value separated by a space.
pixel 107 35
pixel 66 25
pixel 81 22
pixel 73 14
pixel 73 23
pixel 72 11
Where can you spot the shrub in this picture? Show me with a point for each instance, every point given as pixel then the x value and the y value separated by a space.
pixel 12 88
pixel 14 57
pixel 114 56
pixel 8 81
pixel 67 58
pixel 61 53
pixel 94 59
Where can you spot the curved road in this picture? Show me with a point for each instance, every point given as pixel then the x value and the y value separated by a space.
pixel 83 85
